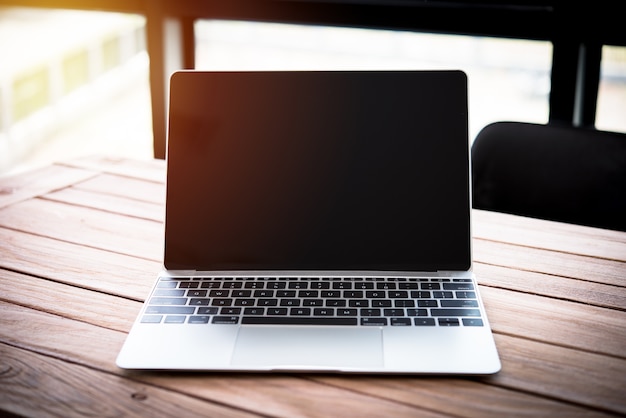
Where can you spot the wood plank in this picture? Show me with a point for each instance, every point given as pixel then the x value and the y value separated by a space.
pixel 562 373
pixel 135 189
pixel 461 397
pixel 554 374
pixel 77 265
pixel 38 385
pixel 68 301
pixel 557 236
pixel 84 226
pixel 116 204
pixel 550 262
pixel 568 324
pixel 280 396
pixel 589 293
pixel 65 306
pixel 285 395
pixel 152 170
pixel 24 186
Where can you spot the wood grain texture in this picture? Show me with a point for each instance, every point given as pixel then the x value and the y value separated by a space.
pixel 85 226
pixel 549 235
pixel 64 262
pixel 282 395
pixel 81 244
pixel 77 391
pixel 24 186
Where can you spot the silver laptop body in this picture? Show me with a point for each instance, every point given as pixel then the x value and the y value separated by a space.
pixel 316 221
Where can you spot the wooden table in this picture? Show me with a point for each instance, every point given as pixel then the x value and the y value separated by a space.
pixel 80 245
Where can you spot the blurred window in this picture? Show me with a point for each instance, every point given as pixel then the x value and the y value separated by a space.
pixel 610 114
pixel 508 79
pixel 72 83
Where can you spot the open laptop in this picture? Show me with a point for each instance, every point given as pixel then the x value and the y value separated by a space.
pixel 316 221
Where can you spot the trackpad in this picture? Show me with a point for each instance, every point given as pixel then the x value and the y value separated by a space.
pixel 303 348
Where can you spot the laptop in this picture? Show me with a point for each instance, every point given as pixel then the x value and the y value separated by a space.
pixel 316 221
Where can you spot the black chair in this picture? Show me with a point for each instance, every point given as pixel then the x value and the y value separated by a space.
pixel 560 173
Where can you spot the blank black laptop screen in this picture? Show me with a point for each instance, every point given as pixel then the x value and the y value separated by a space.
pixel 318 171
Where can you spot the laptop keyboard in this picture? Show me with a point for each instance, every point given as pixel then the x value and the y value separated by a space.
pixel 314 301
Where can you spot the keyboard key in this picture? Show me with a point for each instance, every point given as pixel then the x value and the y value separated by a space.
pixel 409 285
pixel 309 294
pixel 168 301
pixel 373 321
pixel 199 319
pixel 353 294
pixel 300 311
pixel 151 319
pixel 420 294
pixel 398 294
pixel 448 322
pixel 336 303
pixel 222 302
pixel 430 303
pixel 232 285
pixel 376 294
pixel 323 312
pixel 277 311
pixel 276 285
pixel 207 311
pixel 264 293
pixel 459 303
pixel 417 312
pixel 254 285
pixel 443 295
pixel 394 312
pixel 241 293
pixel 359 303
pixel 386 286
pixel 199 302
pixel 167 285
pixel 430 286
pixel 346 312
pixel 254 311
pixel 196 293
pixel 424 322
pixel 169 292
pixel 331 294
pixel 364 286
pixel 225 320
pixel 219 293
pixel 298 285
pixel 267 302
pixel 370 312
pixel 230 311
pixel 458 286
pixel 176 310
pixel 188 285
pixel 342 285
pixel 286 294
pixel 455 312
pixel 319 285
pixel 244 302
pixel 466 295
pixel 175 319
pixel 404 303
pixel 400 321
pixel 472 322
pixel 285 320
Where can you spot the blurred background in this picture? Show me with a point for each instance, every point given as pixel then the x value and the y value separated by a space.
pixel 76 83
